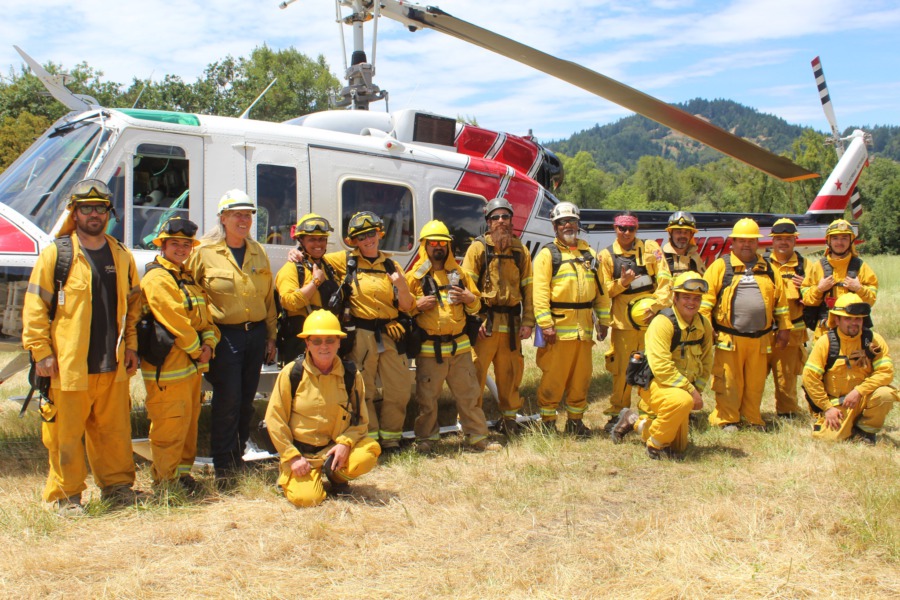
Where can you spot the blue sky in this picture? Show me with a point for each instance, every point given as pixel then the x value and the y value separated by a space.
pixel 756 52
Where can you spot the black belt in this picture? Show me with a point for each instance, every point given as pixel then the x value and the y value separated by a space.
pixel 571 304
pixel 503 310
pixel 752 334
pixel 514 313
pixel 371 324
pixel 308 448
pixel 444 339
pixel 246 326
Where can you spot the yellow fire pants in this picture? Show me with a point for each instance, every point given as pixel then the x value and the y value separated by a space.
pixel 396 384
pixel 459 373
pixel 508 368
pixel 174 413
pixel 309 491
pixel 786 364
pixel 566 369
pixel 101 415
pixel 623 343
pixel 668 410
pixel 739 377
pixel 869 415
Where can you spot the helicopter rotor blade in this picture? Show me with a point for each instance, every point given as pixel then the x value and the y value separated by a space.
pixel 415 17
pixel 825 97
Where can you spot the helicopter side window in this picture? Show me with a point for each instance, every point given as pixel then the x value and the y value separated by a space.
pixel 115 227
pixel 276 200
pixel 393 203
pixel 160 190
pixel 462 214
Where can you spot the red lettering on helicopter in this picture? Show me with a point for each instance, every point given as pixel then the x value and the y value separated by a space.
pixel 711 249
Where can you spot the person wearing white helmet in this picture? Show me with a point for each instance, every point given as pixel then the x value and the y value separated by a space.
pixel 568 301
pixel 631 270
pixel 500 264
pixel 234 270
pixel 744 302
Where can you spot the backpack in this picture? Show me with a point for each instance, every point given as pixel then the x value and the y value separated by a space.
pixel 814 315
pixel 489 255
pixel 834 353
pixel 638 372
pixel 586 258
pixel 640 270
pixel 155 342
pixel 287 343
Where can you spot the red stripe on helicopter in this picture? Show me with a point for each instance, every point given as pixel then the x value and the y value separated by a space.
pixel 518 152
pixel 485 178
pixel 14 240
pixel 832 203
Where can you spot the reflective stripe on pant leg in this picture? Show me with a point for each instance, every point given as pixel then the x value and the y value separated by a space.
pixel 672 408
pixel 464 387
pixel 108 431
pixel 166 410
pixel 554 363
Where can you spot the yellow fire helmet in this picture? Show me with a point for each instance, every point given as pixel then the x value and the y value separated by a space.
pixel 690 282
pixel 682 219
pixel 840 226
pixel 784 227
pixel 746 228
pixel 312 224
pixel 637 309
pixel 89 190
pixel 848 305
pixel 362 222
pixel 176 227
pixel 321 322
pixel 435 230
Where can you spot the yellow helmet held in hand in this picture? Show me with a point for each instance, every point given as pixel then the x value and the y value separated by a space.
pixel 637 309
pixel 746 228
pixel 321 322
pixel 435 230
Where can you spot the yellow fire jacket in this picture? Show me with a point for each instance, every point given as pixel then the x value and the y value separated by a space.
pixel 826 389
pixel 504 283
pixel 68 335
pixel 687 367
pixel 236 294
pixel 292 299
pixel 449 319
pixel 795 306
pixel 189 321
pixel 648 254
pixel 811 296
pixel 722 308
pixel 319 413
pixel 573 283
pixel 691 261
pixel 374 298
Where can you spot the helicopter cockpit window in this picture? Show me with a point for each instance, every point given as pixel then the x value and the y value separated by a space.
pixel 463 215
pixel 160 190
pixel 547 204
pixel 276 201
pixel 393 203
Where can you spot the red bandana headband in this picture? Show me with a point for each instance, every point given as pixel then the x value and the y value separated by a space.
pixel 625 221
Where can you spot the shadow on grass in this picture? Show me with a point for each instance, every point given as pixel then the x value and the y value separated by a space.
pixel 698 453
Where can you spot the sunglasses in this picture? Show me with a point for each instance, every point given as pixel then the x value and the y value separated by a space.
pixel 625 229
pixel 318 341
pixel 100 209
pixel 365 235
pixel 179 226
pixel 313 226
pixel 501 217
pixel 694 285
pixel 566 221
pixel 436 243
pixel 90 188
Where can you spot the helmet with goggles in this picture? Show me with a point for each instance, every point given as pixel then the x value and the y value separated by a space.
pixel 682 219
pixel 311 224
pixel 690 282
pixel 363 222
pixel 784 227
pixel 177 228
pixel 89 190
pixel 849 305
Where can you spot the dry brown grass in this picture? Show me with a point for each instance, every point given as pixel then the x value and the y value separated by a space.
pixel 773 515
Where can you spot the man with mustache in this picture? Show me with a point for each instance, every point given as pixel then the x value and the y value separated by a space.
pixel 501 266
pixel 568 302
pixel 681 251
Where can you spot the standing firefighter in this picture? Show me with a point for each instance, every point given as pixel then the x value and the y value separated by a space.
pixel 681 250
pixel 839 272
pixel 744 301
pixel 634 273
pixel 82 335
pixel 445 298
pixel 568 301
pixel 501 266
pixel 786 363
pixel 173 387
pixel 680 358
pixel 317 417
pixel 303 286
pixel 848 376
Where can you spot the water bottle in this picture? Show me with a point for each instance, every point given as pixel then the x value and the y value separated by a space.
pixel 453 278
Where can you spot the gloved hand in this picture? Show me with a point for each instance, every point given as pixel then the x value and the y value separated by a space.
pixel 395 330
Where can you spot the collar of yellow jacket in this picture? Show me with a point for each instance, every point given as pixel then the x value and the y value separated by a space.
pixel 636 248
pixel 337 367
pixel 170 266
pixel 668 248
pixel 424 263
pixel 580 245
pixel 737 262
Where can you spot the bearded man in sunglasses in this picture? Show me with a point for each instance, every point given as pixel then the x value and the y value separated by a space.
pixel 631 269
pixel 83 337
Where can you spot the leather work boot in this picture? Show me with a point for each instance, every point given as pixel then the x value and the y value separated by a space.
pixel 68 507
pixel 544 427
pixel 510 428
pixel 339 485
pixel 611 423
pixel 191 486
pixel 864 437
pixel 577 428
pixel 662 453
pixel 425 447
pixel 624 425
pixel 121 495
pixel 485 445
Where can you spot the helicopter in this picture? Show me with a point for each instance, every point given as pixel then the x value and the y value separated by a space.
pixel 409 166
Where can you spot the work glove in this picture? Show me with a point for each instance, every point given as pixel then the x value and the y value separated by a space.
pixel 395 330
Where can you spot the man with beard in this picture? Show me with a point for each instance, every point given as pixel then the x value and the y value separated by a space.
pixel 303 286
pixel 568 301
pixel 631 270
pixel 744 300
pixel 501 266
pixel 681 251
pixel 444 296
pixel 838 272
pixel 848 376
pixel 787 362
pixel 83 336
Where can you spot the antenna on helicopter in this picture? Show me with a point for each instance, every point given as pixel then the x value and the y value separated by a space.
pixel 146 83
pixel 246 113
pixel 359 91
